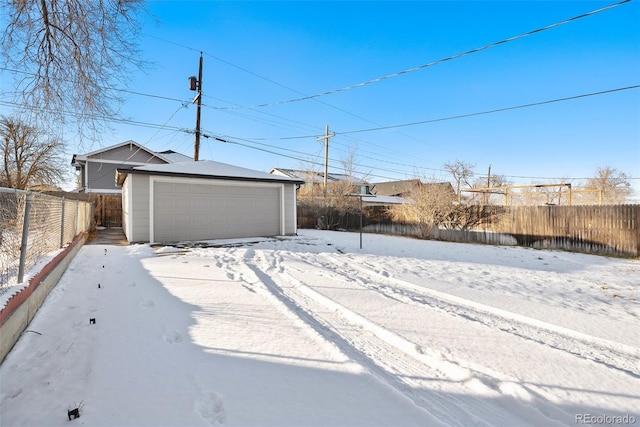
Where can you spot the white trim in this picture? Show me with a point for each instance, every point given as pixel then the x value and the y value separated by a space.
pixel 283 212
pixel 103 191
pixel 220 182
pixel 119 162
pixel 86 157
pixel 295 210
pixel 85 184
pixel 151 213
pixel 129 195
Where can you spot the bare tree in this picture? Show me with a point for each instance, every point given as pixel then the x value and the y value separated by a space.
pixel 331 205
pixel 614 184
pixel 433 206
pixel 493 181
pixel 428 207
pixel 462 174
pixel 68 57
pixel 28 156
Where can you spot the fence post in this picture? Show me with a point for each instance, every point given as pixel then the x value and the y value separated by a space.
pixel 77 221
pixel 25 238
pixel 62 225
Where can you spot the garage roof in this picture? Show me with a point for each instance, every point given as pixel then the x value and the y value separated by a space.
pixel 206 169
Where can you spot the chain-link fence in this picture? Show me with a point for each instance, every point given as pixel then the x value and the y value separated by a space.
pixel 33 225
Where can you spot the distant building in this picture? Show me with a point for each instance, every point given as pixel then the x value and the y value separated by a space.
pixel 407 187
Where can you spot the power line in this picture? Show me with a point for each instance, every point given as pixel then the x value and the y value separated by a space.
pixel 497 110
pixel 234 141
pixel 440 61
pixel 303 160
pixel 109 119
pixel 461 116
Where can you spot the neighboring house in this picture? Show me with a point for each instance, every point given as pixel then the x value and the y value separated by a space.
pixel 405 188
pixel 205 200
pixel 97 169
pixel 400 192
pixel 395 188
pixel 313 179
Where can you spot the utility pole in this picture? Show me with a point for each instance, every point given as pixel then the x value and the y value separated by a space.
pixel 486 196
pixel 326 153
pixel 196 84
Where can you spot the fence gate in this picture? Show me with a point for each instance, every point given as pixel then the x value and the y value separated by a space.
pixel 108 211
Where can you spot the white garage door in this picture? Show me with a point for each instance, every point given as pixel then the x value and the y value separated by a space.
pixel 185 211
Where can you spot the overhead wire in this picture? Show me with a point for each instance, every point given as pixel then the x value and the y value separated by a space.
pixel 440 61
pixel 246 144
pixel 386 77
pixel 496 110
pixel 303 160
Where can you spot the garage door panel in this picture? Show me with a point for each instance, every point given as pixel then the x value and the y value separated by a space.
pixel 203 211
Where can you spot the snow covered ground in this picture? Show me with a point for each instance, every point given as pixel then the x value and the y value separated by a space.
pixel 313 331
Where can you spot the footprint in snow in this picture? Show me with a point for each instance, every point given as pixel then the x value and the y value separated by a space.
pixel 210 406
pixel 172 337
pixel 14 394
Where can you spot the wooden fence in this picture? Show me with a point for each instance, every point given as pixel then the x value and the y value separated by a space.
pixel 107 207
pixel 604 230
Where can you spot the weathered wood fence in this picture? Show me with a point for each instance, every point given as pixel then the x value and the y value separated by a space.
pixel 107 207
pixel 604 230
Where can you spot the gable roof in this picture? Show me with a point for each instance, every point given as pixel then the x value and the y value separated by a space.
pixel 313 176
pixel 404 188
pixel 395 188
pixel 206 169
pixel 168 156
pixel 174 157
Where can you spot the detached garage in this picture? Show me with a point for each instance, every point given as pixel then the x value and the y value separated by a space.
pixel 204 200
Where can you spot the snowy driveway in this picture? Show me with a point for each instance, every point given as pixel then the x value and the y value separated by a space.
pixel 312 330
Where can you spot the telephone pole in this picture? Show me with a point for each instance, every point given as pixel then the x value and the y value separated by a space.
pixel 486 196
pixel 326 138
pixel 196 84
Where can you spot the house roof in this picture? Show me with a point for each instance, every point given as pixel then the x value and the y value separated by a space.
pixel 394 188
pixel 313 176
pixel 168 156
pixel 373 200
pixel 175 157
pixel 404 188
pixel 206 169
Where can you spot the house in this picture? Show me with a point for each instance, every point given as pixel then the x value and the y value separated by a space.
pixel 314 180
pixel 204 200
pixel 97 169
pixel 405 188
pixel 395 188
pixel 312 177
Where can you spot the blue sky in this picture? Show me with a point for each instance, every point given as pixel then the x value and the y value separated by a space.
pixel 268 52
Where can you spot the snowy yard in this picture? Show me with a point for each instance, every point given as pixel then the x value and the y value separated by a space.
pixel 313 331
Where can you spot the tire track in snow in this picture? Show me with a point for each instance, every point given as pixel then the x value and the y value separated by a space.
pixel 400 363
pixel 613 355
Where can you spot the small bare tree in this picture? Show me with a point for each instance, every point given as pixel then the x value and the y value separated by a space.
pixel 332 204
pixel 70 56
pixel 462 173
pixel 28 156
pixel 433 205
pixel 614 184
pixel 429 206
